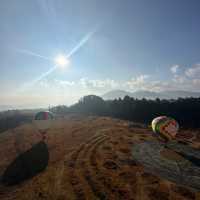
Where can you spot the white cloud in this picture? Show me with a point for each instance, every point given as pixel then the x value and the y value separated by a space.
pixel 137 83
pixel 174 69
pixel 193 71
pixel 184 82
pixel 158 86
pixel 151 85
pixel 98 84
pixel 54 92
pixel 142 78
pixel 179 79
pixel 65 83
pixel 179 82
pixel 85 86
pixel 196 82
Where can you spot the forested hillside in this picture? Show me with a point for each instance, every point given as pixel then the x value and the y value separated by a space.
pixel 185 110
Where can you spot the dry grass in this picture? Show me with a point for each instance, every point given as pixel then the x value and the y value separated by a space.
pixel 90 158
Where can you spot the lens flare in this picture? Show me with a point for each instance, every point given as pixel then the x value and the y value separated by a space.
pixel 61 61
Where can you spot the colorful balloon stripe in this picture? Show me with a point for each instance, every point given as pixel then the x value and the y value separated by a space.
pixel 165 126
pixel 45 115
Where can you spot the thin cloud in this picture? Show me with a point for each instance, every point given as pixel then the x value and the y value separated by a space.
pixel 137 82
pixel 174 69
pixel 97 83
pixel 65 83
pixel 193 71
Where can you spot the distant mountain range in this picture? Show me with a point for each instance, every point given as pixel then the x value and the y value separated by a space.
pixel 114 94
pixel 6 107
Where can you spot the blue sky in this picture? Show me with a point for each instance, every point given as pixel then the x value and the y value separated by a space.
pixel 132 45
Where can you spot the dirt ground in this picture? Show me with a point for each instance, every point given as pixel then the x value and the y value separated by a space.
pixel 89 158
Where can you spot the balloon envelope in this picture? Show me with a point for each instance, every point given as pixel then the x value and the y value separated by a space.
pixel 44 115
pixel 166 127
pixel 43 119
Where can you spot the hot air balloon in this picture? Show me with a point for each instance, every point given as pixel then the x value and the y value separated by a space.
pixel 43 121
pixel 165 127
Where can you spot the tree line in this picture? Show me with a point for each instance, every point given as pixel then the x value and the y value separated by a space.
pixel 13 118
pixel 185 110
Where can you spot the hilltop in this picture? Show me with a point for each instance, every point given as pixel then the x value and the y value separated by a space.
pixel 89 158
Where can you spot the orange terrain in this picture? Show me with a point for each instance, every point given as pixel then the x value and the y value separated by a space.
pixel 89 158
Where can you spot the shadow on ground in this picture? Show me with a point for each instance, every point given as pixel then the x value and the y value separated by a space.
pixel 27 165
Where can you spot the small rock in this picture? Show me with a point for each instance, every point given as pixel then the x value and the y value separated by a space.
pixel 110 165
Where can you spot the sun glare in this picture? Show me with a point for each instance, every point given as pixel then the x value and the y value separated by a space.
pixel 61 61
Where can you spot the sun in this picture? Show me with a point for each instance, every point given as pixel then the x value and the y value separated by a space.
pixel 61 61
